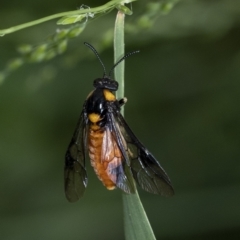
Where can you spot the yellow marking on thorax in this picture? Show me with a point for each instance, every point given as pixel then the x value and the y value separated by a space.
pixel 94 117
pixel 109 96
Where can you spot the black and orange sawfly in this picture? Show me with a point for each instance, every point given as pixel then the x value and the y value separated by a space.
pixel 115 153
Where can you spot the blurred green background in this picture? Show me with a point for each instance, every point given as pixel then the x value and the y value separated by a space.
pixel 183 93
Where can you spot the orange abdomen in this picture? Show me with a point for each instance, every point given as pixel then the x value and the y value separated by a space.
pixel 99 164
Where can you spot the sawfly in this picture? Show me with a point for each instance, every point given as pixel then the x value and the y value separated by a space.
pixel 116 155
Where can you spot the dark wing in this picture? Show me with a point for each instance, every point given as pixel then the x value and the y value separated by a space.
pixel 146 170
pixel 75 172
pixel 112 158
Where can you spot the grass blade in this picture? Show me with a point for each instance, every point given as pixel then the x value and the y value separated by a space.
pixel 136 224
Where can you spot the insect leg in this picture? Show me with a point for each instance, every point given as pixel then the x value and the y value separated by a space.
pixel 122 101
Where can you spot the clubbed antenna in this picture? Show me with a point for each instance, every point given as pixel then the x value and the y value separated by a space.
pixel 96 53
pixel 119 61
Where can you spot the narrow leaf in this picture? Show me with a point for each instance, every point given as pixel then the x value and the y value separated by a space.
pixel 136 224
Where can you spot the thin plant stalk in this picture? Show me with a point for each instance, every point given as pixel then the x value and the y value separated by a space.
pixel 136 223
pixel 104 8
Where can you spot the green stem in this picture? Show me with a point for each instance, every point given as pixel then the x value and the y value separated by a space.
pixel 118 53
pixel 136 224
pixel 104 8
